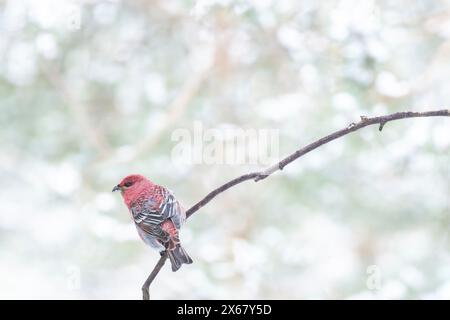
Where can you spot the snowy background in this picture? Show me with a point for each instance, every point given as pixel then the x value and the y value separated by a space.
pixel 93 90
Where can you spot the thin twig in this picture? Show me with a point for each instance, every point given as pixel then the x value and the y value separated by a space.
pixel 257 176
pixel 365 121
pixel 151 277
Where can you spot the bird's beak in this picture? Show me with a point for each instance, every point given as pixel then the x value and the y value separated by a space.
pixel 116 188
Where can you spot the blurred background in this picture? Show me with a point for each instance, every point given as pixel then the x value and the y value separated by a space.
pixel 91 91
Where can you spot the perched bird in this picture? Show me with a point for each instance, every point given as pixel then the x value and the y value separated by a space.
pixel 157 215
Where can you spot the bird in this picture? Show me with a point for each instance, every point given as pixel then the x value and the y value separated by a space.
pixel 158 216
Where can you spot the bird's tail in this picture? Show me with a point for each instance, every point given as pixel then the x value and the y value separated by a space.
pixel 178 256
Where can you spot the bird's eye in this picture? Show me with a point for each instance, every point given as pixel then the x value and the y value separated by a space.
pixel 128 184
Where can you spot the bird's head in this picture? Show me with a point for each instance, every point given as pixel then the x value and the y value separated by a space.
pixel 131 187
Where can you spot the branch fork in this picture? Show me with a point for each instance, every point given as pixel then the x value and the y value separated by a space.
pixel 257 176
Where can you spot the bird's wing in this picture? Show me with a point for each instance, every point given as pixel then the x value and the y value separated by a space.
pixel 149 221
pixel 172 209
pixel 155 210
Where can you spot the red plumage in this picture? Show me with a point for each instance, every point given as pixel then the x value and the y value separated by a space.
pixel 157 214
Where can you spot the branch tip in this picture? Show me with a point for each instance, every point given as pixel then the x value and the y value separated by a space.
pixel 257 176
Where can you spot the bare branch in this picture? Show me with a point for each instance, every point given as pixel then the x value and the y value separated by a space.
pixel 219 190
pixel 257 176
pixel 152 276
pixel 364 122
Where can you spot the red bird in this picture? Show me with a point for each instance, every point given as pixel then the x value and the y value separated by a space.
pixel 157 215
